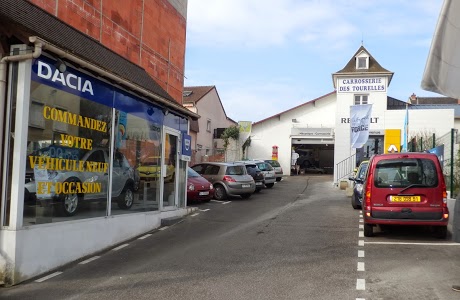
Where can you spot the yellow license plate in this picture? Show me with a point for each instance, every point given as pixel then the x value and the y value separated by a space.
pixel 405 198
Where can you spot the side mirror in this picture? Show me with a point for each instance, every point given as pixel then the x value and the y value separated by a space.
pixel 351 178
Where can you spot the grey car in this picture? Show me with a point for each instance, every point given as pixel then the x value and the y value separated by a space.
pixel 228 179
pixel 277 167
pixel 266 169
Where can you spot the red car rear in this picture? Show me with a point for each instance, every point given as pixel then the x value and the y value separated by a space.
pixel 198 188
pixel 405 189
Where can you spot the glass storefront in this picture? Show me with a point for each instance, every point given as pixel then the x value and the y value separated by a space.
pixel 94 151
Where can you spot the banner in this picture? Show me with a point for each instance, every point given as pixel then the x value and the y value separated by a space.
pixel 245 130
pixel 360 116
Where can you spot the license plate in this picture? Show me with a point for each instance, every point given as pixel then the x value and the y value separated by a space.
pixel 405 198
pixel 204 193
pixel 258 183
pixel 268 175
pixel 246 185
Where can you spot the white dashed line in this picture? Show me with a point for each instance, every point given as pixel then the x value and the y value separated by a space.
pixel 48 277
pixel 88 260
pixel 360 216
pixel 144 236
pixel 417 244
pixel 227 202
pixel 361 220
pixel 163 228
pixel 360 284
pixel 361 267
pixel 361 226
pixel 120 247
pixel 360 253
pixel 360 299
pixel 195 214
pixel 218 201
pixel 360 211
pixel 361 234
pixel 361 243
pixel 204 209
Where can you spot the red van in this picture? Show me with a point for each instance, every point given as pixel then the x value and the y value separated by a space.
pixel 405 189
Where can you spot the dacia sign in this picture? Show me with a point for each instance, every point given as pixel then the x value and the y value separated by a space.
pixel 186 154
pixel 73 81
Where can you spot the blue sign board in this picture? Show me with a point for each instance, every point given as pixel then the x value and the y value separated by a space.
pixel 186 147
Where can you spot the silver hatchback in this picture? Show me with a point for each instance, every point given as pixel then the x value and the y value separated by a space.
pixel 228 179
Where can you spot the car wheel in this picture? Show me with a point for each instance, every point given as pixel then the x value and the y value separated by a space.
pixel 257 190
pixel 269 185
pixel 126 198
pixel 353 202
pixel 246 196
pixel 368 230
pixel 220 193
pixel 440 232
pixel 278 179
pixel 68 203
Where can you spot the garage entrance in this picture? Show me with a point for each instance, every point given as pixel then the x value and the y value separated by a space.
pixel 314 158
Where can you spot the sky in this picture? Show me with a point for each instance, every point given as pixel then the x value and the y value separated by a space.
pixel 265 57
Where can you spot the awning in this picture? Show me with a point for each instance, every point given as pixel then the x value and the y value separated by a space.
pixel 442 70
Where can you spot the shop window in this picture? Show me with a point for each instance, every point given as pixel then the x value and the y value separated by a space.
pixel 60 126
pixel 361 99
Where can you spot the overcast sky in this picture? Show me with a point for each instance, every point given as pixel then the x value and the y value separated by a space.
pixel 265 57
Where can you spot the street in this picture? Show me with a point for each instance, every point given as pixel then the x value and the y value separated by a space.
pixel 299 240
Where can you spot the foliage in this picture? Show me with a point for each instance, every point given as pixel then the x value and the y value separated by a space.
pixel 421 141
pixel 232 132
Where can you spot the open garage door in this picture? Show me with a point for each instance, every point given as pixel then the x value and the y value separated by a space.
pixel 314 158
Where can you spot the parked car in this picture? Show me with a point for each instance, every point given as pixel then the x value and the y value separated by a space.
pixel 314 170
pixel 256 174
pixel 150 169
pixel 228 179
pixel 358 179
pixel 267 171
pixel 123 179
pixel 405 189
pixel 198 188
pixel 277 167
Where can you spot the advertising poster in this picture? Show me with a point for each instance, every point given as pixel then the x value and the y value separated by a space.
pixel 359 121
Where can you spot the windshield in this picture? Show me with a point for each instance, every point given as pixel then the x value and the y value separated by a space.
pixel 274 163
pixel 264 166
pixel 404 172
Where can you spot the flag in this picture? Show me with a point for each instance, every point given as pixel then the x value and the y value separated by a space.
pixel 360 116
pixel 406 130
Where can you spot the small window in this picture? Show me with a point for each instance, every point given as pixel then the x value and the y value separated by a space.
pixel 208 126
pixel 361 99
pixel 187 93
pixel 362 62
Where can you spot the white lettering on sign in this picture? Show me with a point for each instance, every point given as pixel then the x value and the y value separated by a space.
pixel 71 80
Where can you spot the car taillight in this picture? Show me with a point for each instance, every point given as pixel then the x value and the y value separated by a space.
pixel 228 179
pixel 444 193
pixel 368 194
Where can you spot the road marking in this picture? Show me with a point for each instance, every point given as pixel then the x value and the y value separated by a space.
pixel 89 260
pixel 361 267
pixel 360 299
pixel 218 201
pixel 227 202
pixel 360 211
pixel 360 243
pixel 144 236
pixel 361 220
pixel 361 234
pixel 361 226
pixel 163 228
pixel 48 277
pixel 419 244
pixel 204 209
pixel 195 214
pixel 360 284
pixel 360 215
pixel 120 247
pixel 360 253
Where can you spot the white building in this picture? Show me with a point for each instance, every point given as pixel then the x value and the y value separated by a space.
pixel 320 128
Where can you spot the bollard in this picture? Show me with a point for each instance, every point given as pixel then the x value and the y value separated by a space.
pixel 456 221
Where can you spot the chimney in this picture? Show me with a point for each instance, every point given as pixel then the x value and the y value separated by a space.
pixel 413 99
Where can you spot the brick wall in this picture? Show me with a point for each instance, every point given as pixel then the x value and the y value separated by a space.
pixel 150 33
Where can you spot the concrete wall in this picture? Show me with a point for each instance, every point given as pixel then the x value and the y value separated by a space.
pixel 149 33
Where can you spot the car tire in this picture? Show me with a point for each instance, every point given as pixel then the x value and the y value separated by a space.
pixel 440 232
pixel 269 185
pixel 246 196
pixel 353 202
pixel 278 179
pixel 219 192
pixel 68 203
pixel 368 230
pixel 126 198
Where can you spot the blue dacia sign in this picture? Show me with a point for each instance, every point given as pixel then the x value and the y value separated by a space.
pixel 186 147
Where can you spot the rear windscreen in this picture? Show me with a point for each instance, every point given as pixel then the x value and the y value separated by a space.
pixel 403 172
pixel 236 170
pixel 274 163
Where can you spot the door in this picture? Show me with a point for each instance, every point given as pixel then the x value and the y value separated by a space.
pixel 169 164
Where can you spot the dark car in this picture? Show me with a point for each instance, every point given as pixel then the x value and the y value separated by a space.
pixel 405 189
pixel 358 179
pixel 198 188
pixel 228 179
pixel 256 174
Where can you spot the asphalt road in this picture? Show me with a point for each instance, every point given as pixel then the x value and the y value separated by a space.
pixel 299 240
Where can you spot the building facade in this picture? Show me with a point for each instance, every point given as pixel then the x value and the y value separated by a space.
pixel 320 129
pixel 95 146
